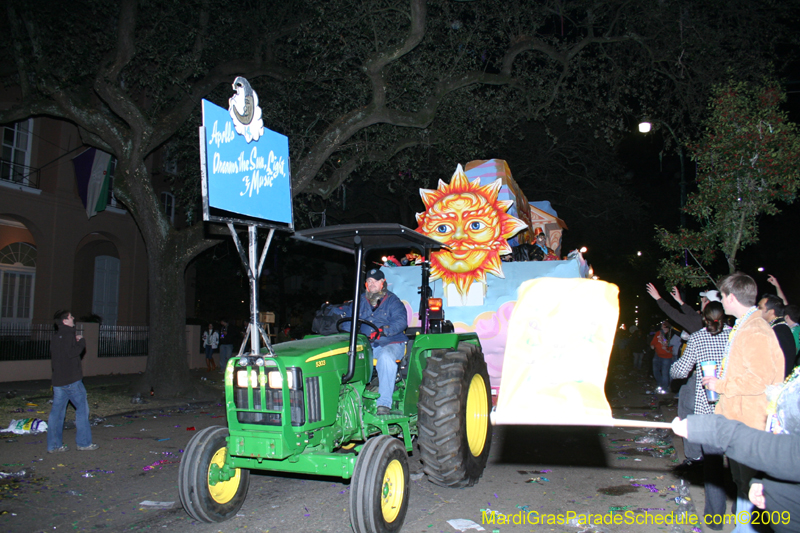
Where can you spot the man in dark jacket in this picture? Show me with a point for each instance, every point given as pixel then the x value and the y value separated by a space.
pixel 686 317
pixel 778 456
pixel 384 309
pixel 772 310
pixel 65 357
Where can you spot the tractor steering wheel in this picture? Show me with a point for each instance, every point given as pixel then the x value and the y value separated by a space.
pixel 358 321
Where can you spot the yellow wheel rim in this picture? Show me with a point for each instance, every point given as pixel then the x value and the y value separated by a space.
pixel 477 415
pixel 392 491
pixel 224 491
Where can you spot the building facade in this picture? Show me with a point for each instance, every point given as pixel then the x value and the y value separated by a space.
pixel 52 255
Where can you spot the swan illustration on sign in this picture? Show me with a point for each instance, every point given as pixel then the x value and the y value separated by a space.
pixel 245 111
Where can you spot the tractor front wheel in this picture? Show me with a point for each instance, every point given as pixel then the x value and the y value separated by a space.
pixel 455 433
pixel 202 500
pixel 379 489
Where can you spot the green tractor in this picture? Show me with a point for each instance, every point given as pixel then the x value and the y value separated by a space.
pixel 309 407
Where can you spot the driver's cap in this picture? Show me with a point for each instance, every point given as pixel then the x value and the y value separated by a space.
pixel 376 274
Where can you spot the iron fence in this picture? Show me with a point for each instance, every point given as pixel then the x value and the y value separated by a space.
pixel 25 342
pixel 122 341
pixel 29 342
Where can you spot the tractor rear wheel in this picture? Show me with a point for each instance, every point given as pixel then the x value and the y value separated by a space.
pixel 203 501
pixel 454 404
pixel 379 489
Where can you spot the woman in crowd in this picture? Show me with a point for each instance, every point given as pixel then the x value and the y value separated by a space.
pixel 707 344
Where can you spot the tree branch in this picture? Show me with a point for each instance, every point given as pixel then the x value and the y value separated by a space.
pixel 105 83
pixel 99 124
pixel 731 257
pixel 325 188
pixel 350 123
pixel 375 64
pixel 165 126
pixel 126 39
pixel 199 38
pixel 41 106
pixel 19 55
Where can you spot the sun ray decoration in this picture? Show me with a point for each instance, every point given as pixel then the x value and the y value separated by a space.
pixel 473 224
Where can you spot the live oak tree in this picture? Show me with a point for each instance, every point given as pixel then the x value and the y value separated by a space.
pixel 748 164
pixel 545 85
pixel 129 74
pixel 385 89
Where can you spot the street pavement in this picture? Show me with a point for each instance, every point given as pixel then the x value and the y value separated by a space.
pixel 532 469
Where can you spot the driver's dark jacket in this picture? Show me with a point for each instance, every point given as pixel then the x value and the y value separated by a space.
pixel 390 315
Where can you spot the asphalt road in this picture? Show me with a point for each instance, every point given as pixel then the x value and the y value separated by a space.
pixel 542 469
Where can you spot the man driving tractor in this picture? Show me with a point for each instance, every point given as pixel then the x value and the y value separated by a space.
pixel 384 309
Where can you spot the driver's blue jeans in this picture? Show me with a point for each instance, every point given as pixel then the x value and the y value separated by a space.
pixel 387 357
pixel 75 393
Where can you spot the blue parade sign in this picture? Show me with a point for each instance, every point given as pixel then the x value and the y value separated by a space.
pixel 245 166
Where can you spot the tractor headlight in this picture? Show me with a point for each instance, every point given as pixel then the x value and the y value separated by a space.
pixel 293 379
pixel 242 378
pixel 275 380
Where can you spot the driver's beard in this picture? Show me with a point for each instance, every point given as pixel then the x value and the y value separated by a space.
pixel 374 297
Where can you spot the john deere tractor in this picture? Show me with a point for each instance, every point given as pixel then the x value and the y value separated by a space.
pixel 309 407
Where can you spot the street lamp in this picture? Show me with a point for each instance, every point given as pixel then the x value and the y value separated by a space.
pixel 645 127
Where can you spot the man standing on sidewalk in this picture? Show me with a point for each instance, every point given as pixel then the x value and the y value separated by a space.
pixel 65 357
pixel 753 361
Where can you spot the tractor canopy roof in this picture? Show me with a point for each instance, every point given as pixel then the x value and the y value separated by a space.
pixel 373 236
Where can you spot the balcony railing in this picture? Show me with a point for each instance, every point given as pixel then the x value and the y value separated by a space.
pixel 17 174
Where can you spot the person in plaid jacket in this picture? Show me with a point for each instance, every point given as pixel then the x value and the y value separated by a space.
pixel 707 344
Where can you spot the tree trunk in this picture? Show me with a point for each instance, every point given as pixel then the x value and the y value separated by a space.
pixel 167 366
pixel 734 246
pixel 168 254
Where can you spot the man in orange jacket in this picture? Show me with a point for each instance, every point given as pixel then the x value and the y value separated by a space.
pixel 753 361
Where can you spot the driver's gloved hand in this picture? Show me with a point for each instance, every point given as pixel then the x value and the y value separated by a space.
pixel 375 335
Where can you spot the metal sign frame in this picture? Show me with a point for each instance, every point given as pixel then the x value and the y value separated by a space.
pixel 245 118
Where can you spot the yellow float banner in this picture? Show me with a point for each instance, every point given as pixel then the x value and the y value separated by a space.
pixel 560 336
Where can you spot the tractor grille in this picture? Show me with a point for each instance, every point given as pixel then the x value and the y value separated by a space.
pixel 274 402
pixel 314 402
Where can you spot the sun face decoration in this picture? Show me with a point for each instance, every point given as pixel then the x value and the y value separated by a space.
pixel 470 220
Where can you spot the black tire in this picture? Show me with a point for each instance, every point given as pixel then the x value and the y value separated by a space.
pixel 202 501
pixel 455 432
pixel 379 489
